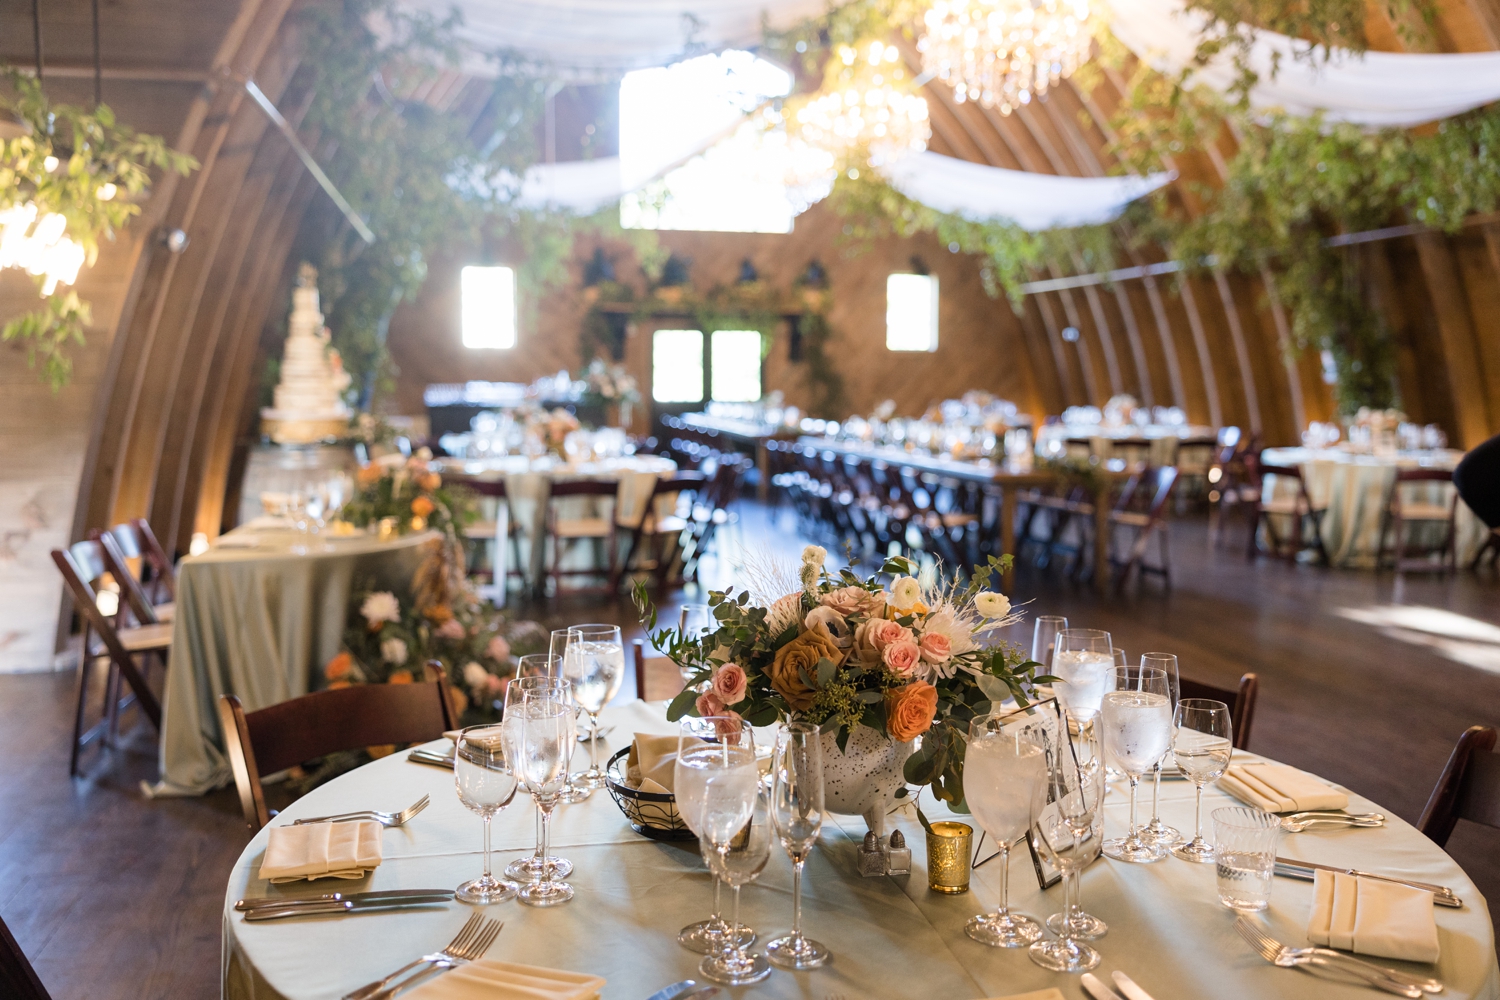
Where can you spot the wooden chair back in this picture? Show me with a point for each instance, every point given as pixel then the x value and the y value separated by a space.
pixel 86 602
pixel 162 570
pixel 1424 476
pixel 584 488
pixel 1468 788
pixel 657 678
pixel 18 980
pixel 1241 702
pixel 131 592
pixel 274 738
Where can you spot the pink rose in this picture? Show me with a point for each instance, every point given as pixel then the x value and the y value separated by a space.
pixel 729 684
pixel 884 633
pixel 498 649
pixel 902 656
pixel 496 685
pixel 936 648
pixel 852 601
pixel 728 726
pixel 451 629
pixel 708 704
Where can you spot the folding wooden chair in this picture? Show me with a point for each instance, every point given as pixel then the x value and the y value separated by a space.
pixel 1298 508
pixel 1144 524
pixel 80 567
pixel 1402 510
pixel 18 980
pixel 324 722
pixel 1468 788
pixel 658 533
pixel 567 532
pixel 657 678
pixel 1241 702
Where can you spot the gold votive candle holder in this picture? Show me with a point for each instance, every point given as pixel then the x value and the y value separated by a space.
pixel 950 848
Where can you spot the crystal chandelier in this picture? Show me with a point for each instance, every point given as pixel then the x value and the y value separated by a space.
pixel 868 102
pixel 1002 53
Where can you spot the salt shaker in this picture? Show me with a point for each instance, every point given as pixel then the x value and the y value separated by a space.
pixel 871 856
pixel 898 858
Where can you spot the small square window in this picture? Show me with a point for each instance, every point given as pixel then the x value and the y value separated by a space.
pixel 735 373
pixel 488 306
pixel 677 366
pixel 911 312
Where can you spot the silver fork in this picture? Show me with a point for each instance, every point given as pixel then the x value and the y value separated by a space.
pixel 1297 822
pixel 1287 957
pixel 383 818
pixel 1424 983
pixel 472 941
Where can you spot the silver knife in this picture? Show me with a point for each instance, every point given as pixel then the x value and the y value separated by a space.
pixel 1097 989
pixel 343 906
pixel 428 757
pixel 1441 895
pixel 267 902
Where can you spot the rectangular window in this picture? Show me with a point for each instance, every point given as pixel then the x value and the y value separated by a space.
pixel 735 368
pixel 488 306
pixel 911 312
pixel 677 366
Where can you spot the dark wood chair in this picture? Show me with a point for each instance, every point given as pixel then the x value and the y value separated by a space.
pixel 148 563
pixel 1491 547
pixel 660 538
pixel 1144 524
pixel 566 532
pixel 18 980
pixel 1305 519
pixel 1241 702
pixel 1402 510
pixel 657 678
pixel 1468 788
pixel 324 722
pixel 128 650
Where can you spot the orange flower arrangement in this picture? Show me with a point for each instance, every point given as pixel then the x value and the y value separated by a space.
pixel 909 710
pixel 422 506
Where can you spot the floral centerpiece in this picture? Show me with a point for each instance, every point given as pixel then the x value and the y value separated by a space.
pixel 879 666
pixel 550 428
pixel 409 491
pixel 610 385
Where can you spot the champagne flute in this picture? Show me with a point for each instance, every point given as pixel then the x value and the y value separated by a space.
pixel 1202 744
pixel 1156 831
pixel 1137 721
pixel 594 663
pixel 531 868
pixel 485 785
pixel 797 814
pixel 572 791
pixel 1004 767
pixel 1082 661
pixel 546 739
pixel 1065 830
pixel 737 845
pixel 697 760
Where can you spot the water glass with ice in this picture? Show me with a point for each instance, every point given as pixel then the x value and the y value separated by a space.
pixel 1082 661
pixel 1245 856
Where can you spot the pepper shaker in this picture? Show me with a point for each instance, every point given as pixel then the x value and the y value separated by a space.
pixel 871 856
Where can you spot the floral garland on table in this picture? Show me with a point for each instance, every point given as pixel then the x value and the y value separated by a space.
pixel 411 492
pixel 907 660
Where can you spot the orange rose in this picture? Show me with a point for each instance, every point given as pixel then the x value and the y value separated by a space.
pixel 438 613
pixel 429 481
pixel 339 666
pixel 422 506
pixel 404 677
pixel 909 710
pixel 802 654
pixel 369 475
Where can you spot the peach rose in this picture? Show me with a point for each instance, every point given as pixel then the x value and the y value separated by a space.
pixel 429 481
pixel 885 632
pixel 730 684
pixel 864 643
pixel 728 726
pixel 708 704
pixel 452 629
pixel 902 657
pixel 909 710
pixel 498 648
pixel 852 601
pixel 422 506
pixel 369 475
pixel 339 666
pixel 802 653
pixel 936 648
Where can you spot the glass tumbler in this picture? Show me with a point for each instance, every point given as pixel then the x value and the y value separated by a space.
pixel 1245 856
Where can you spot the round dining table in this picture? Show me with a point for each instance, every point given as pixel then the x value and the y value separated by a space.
pixel 891 937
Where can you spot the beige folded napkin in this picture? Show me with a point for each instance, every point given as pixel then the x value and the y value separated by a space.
pixel 1050 993
pixel 487 980
pixel 1278 788
pixel 321 850
pixel 652 759
pixel 1373 918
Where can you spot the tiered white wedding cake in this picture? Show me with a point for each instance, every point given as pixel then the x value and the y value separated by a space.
pixel 309 402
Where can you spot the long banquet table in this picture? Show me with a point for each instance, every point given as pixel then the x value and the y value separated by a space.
pixel 258 622
pixel 890 936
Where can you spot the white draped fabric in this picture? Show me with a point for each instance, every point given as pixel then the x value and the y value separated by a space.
pixel 1380 88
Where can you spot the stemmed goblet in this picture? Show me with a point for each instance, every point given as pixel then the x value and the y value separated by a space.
pixel 546 738
pixel 1156 831
pixel 594 663
pixel 1082 660
pixel 485 785
pixel 1203 742
pixel 1065 830
pixel 1088 754
pixel 736 844
pixel 797 814
pixel 1137 723
pixel 1044 639
pixel 532 867
pixel 706 747
pixel 572 791
pixel 1004 770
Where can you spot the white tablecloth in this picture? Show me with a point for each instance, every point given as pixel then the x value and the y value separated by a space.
pixel 1164 439
pixel 1353 491
pixel 890 936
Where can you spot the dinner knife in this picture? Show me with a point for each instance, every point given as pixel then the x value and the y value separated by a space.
pixel 428 757
pixel 1307 870
pixel 1097 989
pixel 337 897
pixel 1129 988
pixel 343 906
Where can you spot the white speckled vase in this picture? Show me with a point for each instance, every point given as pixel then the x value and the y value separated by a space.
pixel 864 778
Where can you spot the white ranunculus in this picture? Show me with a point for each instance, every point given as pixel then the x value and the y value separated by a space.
pixel 393 651
pixel 815 555
pixel 475 675
pixel 381 607
pixel 905 593
pixel 991 604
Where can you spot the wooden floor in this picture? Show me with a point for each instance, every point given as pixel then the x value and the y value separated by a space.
pixel 1364 680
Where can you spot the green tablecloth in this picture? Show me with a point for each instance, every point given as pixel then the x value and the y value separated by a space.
pixel 890 936
pixel 259 622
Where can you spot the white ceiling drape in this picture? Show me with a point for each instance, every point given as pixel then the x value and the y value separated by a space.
pixel 1378 89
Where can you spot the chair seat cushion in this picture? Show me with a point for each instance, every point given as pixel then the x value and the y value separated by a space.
pixel 1425 511
pixel 583 527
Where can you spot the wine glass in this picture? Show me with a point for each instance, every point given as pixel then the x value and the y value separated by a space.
pixel 545 742
pixel 594 663
pixel 694 622
pixel 737 844
pixel 697 760
pixel 797 814
pixel 485 785
pixel 1203 742
pixel 1086 751
pixel 1137 721
pixel 1082 661
pixel 572 791
pixel 1044 638
pixel 539 665
pixel 1065 830
pixel 1156 831
pixel 531 868
pixel 1004 767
